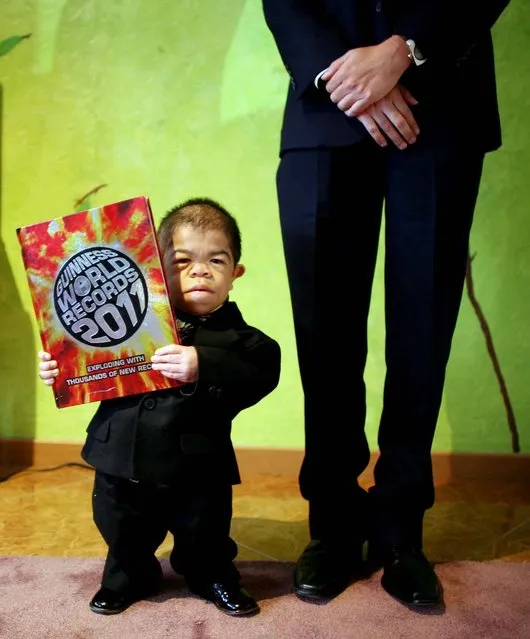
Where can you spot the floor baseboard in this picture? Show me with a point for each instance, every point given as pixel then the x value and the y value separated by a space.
pixel 447 467
pixel 17 455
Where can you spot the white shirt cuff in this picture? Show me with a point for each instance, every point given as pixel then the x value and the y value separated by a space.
pixel 317 78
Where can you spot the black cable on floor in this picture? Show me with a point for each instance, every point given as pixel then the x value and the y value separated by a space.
pixel 44 470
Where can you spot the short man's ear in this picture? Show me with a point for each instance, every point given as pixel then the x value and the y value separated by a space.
pixel 239 270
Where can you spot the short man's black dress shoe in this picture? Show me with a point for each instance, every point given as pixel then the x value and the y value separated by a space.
pixel 409 577
pixel 111 602
pixel 322 572
pixel 230 597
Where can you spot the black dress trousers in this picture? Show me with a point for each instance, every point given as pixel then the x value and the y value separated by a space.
pixel 331 203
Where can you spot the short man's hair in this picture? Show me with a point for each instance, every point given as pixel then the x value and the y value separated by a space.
pixel 203 214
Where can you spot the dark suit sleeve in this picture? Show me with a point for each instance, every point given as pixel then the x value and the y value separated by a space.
pixel 441 26
pixel 308 38
pixel 241 376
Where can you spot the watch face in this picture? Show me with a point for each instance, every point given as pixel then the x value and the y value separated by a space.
pixel 418 54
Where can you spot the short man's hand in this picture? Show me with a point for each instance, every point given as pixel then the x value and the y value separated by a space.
pixel 48 370
pixel 177 362
pixel 392 117
pixel 364 75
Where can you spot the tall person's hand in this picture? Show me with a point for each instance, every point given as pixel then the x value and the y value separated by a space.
pixel 364 75
pixel 391 118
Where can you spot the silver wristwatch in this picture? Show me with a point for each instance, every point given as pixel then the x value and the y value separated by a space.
pixel 415 54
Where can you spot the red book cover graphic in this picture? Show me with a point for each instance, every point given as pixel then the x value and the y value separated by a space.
pixel 101 300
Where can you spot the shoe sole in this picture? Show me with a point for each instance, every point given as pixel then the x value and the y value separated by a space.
pixel 313 599
pixel 99 611
pixel 236 613
pixel 418 604
pixel 318 597
pixel 432 603
pixel 232 613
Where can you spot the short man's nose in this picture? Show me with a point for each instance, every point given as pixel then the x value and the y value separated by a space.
pixel 200 268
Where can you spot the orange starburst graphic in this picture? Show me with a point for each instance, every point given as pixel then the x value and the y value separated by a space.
pixel 100 298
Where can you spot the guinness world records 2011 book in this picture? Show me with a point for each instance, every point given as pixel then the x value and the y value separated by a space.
pixel 101 300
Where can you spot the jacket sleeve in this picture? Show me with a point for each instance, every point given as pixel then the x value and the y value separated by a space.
pixel 241 376
pixel 440 26
pixel 307 37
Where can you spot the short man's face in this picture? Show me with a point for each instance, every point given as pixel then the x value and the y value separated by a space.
pixel 200 269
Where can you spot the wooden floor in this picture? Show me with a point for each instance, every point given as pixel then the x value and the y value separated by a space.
pixel 49 513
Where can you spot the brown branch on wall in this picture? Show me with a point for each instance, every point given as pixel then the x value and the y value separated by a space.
pixel 87 195
pixel 512 425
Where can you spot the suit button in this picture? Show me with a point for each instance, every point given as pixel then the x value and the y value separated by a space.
pixel 149 403
pixel 215 392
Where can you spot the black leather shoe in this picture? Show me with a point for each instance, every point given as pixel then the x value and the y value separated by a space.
pixel 111 602
pixel 230 597
pixel 409 577
pixel 322 572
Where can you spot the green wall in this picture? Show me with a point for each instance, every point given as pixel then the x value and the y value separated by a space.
pixel 179 99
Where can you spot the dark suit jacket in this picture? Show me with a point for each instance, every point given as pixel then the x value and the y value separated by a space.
pixel 456 87
pixel 185 433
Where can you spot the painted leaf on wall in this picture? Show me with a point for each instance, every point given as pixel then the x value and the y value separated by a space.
pixel 9 44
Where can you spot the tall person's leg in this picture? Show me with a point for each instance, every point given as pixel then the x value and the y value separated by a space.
pixel 330 211
pixel 429 210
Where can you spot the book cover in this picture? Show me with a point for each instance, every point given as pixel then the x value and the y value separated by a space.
pixel 100 298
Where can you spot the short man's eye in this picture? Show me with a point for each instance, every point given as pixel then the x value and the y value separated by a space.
pixel 218 260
